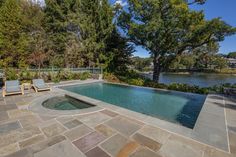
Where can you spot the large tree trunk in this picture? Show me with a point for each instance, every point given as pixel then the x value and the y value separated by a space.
pixel 156 70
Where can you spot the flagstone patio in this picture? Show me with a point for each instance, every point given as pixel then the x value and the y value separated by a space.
pixel 103 133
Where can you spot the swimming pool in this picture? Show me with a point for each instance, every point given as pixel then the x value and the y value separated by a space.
pixel 176 107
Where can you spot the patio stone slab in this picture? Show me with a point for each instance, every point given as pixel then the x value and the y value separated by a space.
pixel 93 120
pixel 19 113
pixel 123 125
pixel 232 142
pixel 2 101
pixel 31 141
pixel 210 152
pixel 105 130
pixel 46 117
pixel 30 120
pixel 64 119
pixel 62 149
pixel 143 152
pixel 109 113
pixel 89 141
pixel 128 149
pixel 3 115
pixel 7 127
pixel 22 103
pixel 114 144
pixel 21 153
pixel 72 124
pixel 53 130
pixel 176 146
pixel 8 107
pixel 232 128
pixel 96 152
pixel 156 134
pixel 9 149
pixel 145 141
pixel 18 135
pixel 78 132
pixel 211 135
pixel 47 143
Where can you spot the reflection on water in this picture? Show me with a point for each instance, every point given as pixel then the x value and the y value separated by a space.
pixel 199 79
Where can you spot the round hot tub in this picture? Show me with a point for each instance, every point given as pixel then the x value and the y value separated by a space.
pixel 65 103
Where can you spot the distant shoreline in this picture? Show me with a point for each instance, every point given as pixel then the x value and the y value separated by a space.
pixel 184 72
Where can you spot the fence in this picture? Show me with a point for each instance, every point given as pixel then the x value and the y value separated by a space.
pixel 93 70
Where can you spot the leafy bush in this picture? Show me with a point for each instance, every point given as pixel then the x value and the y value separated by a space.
pixel 110 77
pixel 95 76
pixel 11 74
pixel 56 77
pixel 84 76
pixel 25 76
pixel 136 82
pixel 66 75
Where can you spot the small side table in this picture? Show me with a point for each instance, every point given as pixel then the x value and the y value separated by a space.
pixel 27 86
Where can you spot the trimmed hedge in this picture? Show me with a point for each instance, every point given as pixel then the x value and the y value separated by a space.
pixel 133 79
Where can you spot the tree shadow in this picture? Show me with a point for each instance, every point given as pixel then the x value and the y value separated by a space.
pixel 215 97
pixel 189 114
pixel 232 128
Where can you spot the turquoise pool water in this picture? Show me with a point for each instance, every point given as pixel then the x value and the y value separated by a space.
pixel 176 107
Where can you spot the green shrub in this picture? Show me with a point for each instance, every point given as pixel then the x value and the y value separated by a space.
pixel 95 76
pixel 110 77
pixel 76 76
pixel 66 75
pixel 84 76
pixel 11 74
pixel 136 82
pixel 25 75
pixel 56 77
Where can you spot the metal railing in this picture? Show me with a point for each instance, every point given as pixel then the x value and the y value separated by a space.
pixel 92 70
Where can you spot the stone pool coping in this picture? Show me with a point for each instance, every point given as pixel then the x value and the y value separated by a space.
pixel 210 128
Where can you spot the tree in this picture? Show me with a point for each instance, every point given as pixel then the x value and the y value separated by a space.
pixel 168 28
pixel 189 2
pixel 13 35
pixel 205 55
pixel 118 54
pixel 141 63
pixel 73 55
pixel 232 55
pixel 220 62
pixel 60 19
pixel 95 28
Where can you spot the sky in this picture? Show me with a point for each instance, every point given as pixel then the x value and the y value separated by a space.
pixel 225 9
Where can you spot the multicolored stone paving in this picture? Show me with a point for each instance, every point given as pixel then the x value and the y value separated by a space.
pixel 24 133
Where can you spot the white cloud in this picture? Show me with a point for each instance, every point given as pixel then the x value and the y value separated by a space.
pixel 121 3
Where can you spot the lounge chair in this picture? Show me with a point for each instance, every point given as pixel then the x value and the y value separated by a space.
pixel 39 85
pixel 12 87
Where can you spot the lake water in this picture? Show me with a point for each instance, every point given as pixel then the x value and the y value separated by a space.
pixel 199 79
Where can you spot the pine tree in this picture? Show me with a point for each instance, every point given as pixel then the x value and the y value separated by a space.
pixel 95 28
pixel 118 54
pixel 13 38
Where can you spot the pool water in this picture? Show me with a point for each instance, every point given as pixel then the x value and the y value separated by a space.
pixel 65 103
pixel 176 107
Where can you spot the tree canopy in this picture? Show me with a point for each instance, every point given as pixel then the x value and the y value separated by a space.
pixel 232 55
pixel 69 33
pixel 167 28
pixel 76 33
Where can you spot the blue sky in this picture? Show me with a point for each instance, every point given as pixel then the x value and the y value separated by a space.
pixel 226 9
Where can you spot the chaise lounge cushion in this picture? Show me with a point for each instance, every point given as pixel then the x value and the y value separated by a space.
pixel 39 83
pixel 13 86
